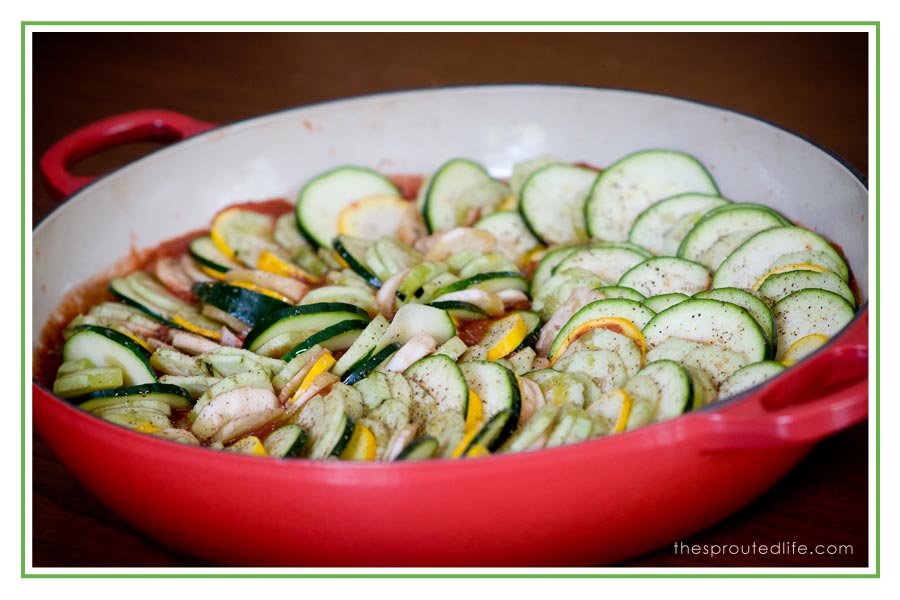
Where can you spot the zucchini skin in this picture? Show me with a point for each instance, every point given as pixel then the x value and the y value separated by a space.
pixel 325 335
pixel 134 392
pixel 242 304
pixel 267 320
pixel 369 364
pixel 356 265
pixel 421 448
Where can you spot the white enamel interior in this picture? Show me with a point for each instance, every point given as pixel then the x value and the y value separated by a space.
pixel 178 189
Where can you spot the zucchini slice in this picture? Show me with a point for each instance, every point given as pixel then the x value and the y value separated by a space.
pixel 530 435
pixel 294 324
pixel 547 265
pixel 418 276
pixel 452 180
pixel 140 419
pixel 339 336
pixel 172 395
pixel 322 199
pixel 561 388
pixel 626 293
pixel 87 380
pixel 489 282
pixel 374 216
pixel 143 291
pixel 572 425
pixel 503 336
pixel 627 349
pixel 709 322
pixel 651 225
pixel 777 286
pixel 733 223
pixel 667 275
pixel 205 252
pixel 675 387
pixel 607 261
pixel 243 234
pixel 533 325
pixel 413 319
pixel 809 311
pixel 748 377
pixel 463 311
pixel 753 305
pixel 663 301
pixel 514 238
pixel 492 434
pixel 362 298
pixel 448 427
pixel 628 187
pixel 388 256
pixel 715 361
pixel 353 250
pixel 421 448
pixel 242 304
pixel 524 169
pixel 364 367
pixel 499 391
pixel 755 257
pixel 645 395
pixel 331 433
pixel 638 314
pixel 705 392
pixel 444 381
pixel 672 349
pixel 604 367
pixel 106 347
pixel 803 348
pixel 363 347
pixel 552 202
pixel 805 260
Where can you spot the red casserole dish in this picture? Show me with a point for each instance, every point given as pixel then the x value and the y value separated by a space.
pixel 592 503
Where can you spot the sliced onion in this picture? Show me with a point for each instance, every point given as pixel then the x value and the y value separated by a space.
pixel 489 302
pixel 418 347
pixel 288 287
pixel 170 272
pixel 192 344
pixel 459 239
pixel 230 339
pixel 387 294
pixel 401 439
pixel 532 399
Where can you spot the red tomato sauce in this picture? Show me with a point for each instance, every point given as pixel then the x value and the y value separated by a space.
pixel 408 185
pixel 471 332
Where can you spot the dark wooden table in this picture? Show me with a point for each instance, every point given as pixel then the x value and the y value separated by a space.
pixel 812 83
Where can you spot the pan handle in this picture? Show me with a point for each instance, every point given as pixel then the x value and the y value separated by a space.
pixel 142 125
pixel 818 397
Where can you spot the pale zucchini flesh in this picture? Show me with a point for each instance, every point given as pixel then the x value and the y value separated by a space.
pixel 322 199
pixel 749 377
pixel 755 257
pixel 809 311
pixel 552 202
pixel 609 262
pixel 709 322
pixel 449 183
pixel 651 225
pixel 745 219
pixel 628 187
pixel 667 275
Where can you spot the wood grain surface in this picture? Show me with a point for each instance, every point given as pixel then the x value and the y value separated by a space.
pixel 812 83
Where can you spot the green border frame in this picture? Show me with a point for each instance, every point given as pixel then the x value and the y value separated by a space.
pixel 877 574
